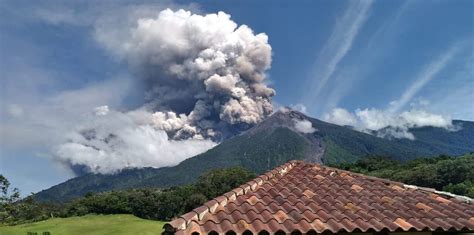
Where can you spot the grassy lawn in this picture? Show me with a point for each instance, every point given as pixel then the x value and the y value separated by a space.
pixel 90 225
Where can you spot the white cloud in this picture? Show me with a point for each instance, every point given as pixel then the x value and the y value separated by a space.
pixel 101 110
pixel 420 118
pixel 109 142
pixel 205 73
pixel 377 119
pixel 369 57
pixel 340 117
pixel 299 107
pixel 393 123
pixel 381 42
pixel 304 126
pixel 389 124
pixel 31 116
pixel 374 119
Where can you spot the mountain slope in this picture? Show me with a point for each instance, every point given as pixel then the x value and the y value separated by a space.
pixel 271 143
pixel 258 152
pixel 344 144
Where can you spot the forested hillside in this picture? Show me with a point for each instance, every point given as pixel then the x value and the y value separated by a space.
pixel 259 152
pixel 451 174
pixel 342 144
pixel 273 142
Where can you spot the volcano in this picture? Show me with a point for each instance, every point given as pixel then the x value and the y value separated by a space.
pixel 272 142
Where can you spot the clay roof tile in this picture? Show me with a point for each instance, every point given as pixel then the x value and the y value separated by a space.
pixel 305 197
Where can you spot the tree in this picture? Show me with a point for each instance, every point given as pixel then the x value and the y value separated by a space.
pixel 464 188
pixel 5 196
pixel 7 200
pixel 452 174
pixel 216 182
pixel 14 210
pixel 194 201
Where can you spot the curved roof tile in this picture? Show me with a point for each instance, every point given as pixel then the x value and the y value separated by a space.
pixel 305 197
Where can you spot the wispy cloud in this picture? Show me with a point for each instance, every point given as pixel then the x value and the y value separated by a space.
pixel 370 57
pixel 423 78
pixel 395 121
pixel 456 95
pixel 88 13
pixel 337 46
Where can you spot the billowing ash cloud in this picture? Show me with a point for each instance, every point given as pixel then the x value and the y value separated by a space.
pixel 205 80
pixel 205 74
pixel 388 124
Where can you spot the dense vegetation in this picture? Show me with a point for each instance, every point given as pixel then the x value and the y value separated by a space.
pixel 161 204
pixel 88 225
pixel 451 174
pixel 272 143
pixel 346 145
pixel 269 144
pixel 147 203
pixel 13 210
pixel 258 152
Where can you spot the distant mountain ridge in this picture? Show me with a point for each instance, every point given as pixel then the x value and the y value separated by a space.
pixel 273 142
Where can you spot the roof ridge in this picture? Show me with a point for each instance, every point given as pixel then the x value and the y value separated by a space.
pixel 198 213
pixel 465 199
pixel 361 175
pixel 407 186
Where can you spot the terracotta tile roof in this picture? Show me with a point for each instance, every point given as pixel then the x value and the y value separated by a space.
pixel 305 197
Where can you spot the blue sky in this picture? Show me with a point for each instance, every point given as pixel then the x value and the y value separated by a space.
pixel 384 55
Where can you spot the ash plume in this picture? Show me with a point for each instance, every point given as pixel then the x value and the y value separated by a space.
pixel 205 74
pixel 205 81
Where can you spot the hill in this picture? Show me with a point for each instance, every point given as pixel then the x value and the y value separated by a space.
pixel 275 141
pixel 89 224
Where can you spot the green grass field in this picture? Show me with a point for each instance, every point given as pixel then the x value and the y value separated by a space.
pixel 88 225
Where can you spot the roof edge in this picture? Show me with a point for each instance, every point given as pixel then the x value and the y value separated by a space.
pixel 465 199
pixel 210 206
pixel 461 198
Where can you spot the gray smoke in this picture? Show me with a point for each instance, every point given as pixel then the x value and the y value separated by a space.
pixel 205 80
pixel 205 74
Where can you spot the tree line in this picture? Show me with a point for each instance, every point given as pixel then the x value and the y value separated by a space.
pixel 452 174
pixel 446 173
pixel 147 203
